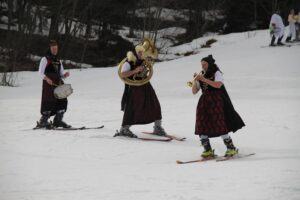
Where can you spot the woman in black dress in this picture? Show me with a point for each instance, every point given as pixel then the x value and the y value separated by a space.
pixel 216 115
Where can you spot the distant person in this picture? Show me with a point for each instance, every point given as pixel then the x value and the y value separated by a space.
pixel 52 72
pixel 276 29
pixel 292 19
pixel 298 27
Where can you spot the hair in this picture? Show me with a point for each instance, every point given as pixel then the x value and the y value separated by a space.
pixel 212 67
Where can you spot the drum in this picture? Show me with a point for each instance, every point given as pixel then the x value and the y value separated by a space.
pixel 63 91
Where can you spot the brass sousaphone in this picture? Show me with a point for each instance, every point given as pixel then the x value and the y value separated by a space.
pixel 149 56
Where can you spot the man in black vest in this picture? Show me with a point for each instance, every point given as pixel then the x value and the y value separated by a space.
pixel 52 72
pixel 139 103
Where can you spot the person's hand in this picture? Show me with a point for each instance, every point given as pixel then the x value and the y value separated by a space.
pixel 200 77
pixel 49 81
pixel 67 74
pixel 139 69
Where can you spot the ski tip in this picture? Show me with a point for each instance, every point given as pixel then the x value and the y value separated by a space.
pixel 179 162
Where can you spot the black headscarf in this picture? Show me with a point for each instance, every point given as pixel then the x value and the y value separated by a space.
pixel 212 67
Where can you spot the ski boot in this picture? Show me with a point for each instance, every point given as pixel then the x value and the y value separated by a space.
pixel 158 129
pixel 279 43
pixel 208 151
pixel 231 150
pixel 126 132
pixel 43 122
pixel 58 122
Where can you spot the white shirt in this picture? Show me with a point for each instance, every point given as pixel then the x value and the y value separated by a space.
pixel 218 78
pixel 277 20
pixel 126 67
pixel 43 65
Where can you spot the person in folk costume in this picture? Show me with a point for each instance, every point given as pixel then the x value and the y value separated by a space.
pixel 139 103
pixel 298 27
pixel 292 19
pixel 276 29
pixel 215 115
pixel 52 72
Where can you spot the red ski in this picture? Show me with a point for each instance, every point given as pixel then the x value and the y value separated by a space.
pixel 173 137
pixel 154 139
pixel 166 139
pixel 199 160
pixel 223 158
pixel 216 158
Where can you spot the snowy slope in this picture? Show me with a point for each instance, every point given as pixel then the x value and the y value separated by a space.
pixel 262 82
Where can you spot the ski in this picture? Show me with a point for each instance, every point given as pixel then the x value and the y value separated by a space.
pixel 223 158
pixel 199 160
pixel 154 139
pixel 144 138
pixel 68 129
pixel 77 128
pixel 286 45
pixel 169 136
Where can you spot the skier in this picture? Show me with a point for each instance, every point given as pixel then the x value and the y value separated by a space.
pixel 298 27
pixel 292 26
pixel 139 103
pixel 52 72
pixel 215 115
pixel 276 29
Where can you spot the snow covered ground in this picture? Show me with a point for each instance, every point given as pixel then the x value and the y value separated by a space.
pixel 262 82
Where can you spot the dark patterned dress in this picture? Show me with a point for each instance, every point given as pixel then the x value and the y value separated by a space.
pixel 216 115
pixel 140 103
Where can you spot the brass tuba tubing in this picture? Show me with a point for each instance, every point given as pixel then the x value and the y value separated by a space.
pixel 150 54
pixel 190 83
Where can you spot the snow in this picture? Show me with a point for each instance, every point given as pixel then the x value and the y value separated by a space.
pixel 263 84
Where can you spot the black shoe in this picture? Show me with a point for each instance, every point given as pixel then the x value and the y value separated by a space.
pixel 280 44
pixel 58 122
pixel 61 124
pixel 43 122
pixel 288 39
pixel 160 131
pixel 126 133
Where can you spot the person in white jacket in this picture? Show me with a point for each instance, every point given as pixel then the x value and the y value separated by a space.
pixel 292 26
pixel 298 27
pixel 276 29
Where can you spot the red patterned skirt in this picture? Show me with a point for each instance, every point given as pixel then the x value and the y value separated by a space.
pixel 210 117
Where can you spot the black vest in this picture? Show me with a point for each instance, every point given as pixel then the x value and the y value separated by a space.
pixel 53 65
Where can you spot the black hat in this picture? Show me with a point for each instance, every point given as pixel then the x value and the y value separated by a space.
pixel 209 59
pixel 52 43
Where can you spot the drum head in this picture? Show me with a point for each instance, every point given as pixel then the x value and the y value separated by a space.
pixel 63 91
